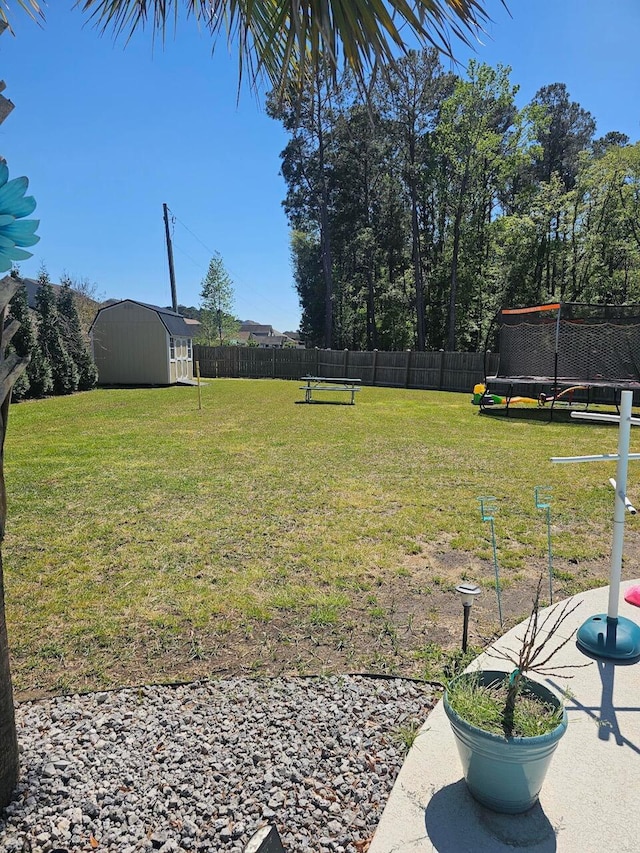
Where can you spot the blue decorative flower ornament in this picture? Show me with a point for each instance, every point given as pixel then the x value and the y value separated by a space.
pixel 14 230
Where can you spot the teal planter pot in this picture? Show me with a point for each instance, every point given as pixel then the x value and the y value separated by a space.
pixel 504 774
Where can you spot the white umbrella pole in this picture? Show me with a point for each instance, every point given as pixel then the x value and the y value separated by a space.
pixel 624 433
pixel 612 636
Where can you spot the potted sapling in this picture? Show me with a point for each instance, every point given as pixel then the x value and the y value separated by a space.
pixel 507 725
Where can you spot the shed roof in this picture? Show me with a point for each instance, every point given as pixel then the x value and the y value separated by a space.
pixel 174 323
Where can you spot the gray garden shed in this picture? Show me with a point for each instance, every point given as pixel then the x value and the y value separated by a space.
pixel 139 344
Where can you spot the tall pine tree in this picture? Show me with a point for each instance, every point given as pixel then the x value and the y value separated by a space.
pixel 73 338
pixel 65 374
pixel 21 385
pixel 36 381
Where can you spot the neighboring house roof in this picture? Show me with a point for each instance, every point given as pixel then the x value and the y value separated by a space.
pixel 269 340
pixel 174 323
pixel 32 286
pixel 256 328
pixel 190 321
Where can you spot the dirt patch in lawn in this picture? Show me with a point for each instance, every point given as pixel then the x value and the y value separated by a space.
pixel 398 625
pixel 394 627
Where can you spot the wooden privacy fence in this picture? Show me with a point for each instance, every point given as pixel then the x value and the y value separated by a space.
pixel 433 371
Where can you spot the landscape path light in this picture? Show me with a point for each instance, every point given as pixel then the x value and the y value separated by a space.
pixel 468 592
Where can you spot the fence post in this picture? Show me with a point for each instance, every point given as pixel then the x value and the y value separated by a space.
pixel 441 370
pixel 406 378
pixel 317 361
pixel 346 363
pixel 273 364
pixel 375 362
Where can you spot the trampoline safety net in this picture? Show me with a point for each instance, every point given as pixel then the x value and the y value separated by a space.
pixel 568 340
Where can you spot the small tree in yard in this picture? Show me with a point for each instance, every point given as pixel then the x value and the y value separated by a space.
pixel 64 371
pixel 36 380
pixel 216 298
pixel 73 338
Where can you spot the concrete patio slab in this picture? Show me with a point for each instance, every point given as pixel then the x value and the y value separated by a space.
pixel 590 800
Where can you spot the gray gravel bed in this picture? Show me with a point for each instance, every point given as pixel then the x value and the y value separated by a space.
pixel 203 766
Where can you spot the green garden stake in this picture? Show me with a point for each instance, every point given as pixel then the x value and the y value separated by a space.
pixel 543 501
pixel 487 508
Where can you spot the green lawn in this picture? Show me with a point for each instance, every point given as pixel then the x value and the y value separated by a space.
pixel 149 541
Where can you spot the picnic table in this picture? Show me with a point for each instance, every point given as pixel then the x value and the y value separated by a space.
pixel 329 383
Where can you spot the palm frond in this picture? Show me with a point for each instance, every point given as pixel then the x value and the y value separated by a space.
pixel 288 40
pixel 33 8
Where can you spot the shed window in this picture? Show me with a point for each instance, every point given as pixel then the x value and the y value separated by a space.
pixel 189 350
pixel 172 349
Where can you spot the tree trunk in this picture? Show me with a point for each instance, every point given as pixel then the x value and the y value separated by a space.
pixel 325 250
pixel 417 272
pixel 372 332
pixel 10 368
pixel 8 737
pixel 541 252
pixel 415 241
pixel 510 704
pixel 453 291
pixel 325 241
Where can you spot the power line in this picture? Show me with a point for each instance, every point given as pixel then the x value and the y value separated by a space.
pixel 211 251
pixel 193 261
pixel 195 236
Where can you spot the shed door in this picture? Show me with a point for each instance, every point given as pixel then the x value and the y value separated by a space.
pixel 182 359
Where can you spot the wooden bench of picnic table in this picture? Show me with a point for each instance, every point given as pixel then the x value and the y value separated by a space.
pixel 329 383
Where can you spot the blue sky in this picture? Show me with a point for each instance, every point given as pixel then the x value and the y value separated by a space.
pixel 106 133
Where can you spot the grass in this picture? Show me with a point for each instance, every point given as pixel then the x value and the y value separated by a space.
pixel 441 665
pixel 143 534
pixel 483 707
pixel 406 734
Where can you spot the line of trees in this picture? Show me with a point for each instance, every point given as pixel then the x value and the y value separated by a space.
pixel 423 204
pixel 53 339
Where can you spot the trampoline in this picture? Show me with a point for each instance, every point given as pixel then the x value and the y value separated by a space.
pixel 564 353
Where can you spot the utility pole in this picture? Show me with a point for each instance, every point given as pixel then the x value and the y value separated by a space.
pixel 172 275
